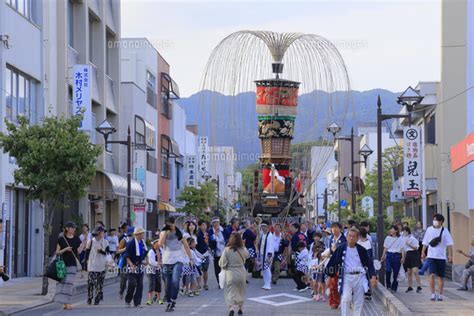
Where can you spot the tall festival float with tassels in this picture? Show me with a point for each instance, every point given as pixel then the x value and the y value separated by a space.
pixel 276 108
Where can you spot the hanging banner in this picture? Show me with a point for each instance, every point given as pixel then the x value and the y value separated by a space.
pixel 191 171
pixel 411 162
pixel 81 95
pixel 368 205
pixel 203 155
pixel 462 153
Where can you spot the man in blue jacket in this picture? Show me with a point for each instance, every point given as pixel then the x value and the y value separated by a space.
pixel 233 227
pixel 352 262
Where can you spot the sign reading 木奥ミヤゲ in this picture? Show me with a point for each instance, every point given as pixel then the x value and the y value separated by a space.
pixel 411 162
pixel 81 95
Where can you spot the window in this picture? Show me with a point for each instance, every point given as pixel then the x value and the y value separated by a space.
pixel 150 138
pixel 166 106
pixel 178 175
pixel 139 130
pixel 151 89
pixel 24 7
pixel 9 94
pixel 430 130
pixel 91 40
pixel 109 44
pixel 151 163
pixel 70 21
pixel 165 157
pixel 20 96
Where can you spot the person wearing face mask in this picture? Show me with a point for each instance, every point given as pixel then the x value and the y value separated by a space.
pixel 438 239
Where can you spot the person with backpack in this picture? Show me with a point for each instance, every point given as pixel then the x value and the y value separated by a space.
pixel 437 239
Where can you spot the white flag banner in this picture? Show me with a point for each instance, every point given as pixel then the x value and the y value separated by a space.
pixel 411 162
pixel 203 150
pixel 81 95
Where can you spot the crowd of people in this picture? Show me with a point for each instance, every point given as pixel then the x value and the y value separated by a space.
pixel 335 262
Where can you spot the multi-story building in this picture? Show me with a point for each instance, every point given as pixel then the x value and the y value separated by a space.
pixel 139 111
pixel 368 132
pixel 455 121
pixel 424 117
pixel 41 42
pixel 322 160
pixel 178 132
pixel 22 84
pixel 222 169
pixel 168 91
pixel 342 150
pixel 88 33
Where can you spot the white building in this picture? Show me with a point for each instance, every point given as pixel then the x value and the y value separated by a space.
pixel 41 41
pixel 138 110
pixel 322 160
pixel 21 86
pixel 178 135
pixel 368 133
pixel 222 168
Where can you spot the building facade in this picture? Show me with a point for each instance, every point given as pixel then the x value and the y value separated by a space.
pixel 21 85
pixel 139 111
pixel 455 120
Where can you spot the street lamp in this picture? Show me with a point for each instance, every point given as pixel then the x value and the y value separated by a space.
pixel 106 129
pixel 334 129
pixel 217 182
pixel 409 98
pixel 365 151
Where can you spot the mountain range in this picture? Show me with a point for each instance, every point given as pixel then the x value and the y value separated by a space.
pixel 232 120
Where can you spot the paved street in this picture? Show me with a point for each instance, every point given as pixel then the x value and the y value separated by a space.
pixel 283 301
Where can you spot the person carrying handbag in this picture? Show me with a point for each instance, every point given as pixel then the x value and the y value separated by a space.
pixel 69 247
pixel 97 264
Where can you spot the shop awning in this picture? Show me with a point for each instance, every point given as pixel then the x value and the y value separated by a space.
pixel 166 207
pixel 115 185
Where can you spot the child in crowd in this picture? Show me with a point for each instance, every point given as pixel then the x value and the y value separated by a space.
pixel 317 272
pixel 112 238
pixel 154 274
pixel 190 272
pixel 302 258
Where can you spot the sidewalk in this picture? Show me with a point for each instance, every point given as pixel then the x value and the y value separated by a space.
pixel 24 293
pixel 454 302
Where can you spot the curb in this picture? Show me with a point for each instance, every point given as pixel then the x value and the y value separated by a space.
pixel 391 302
pixel 79 289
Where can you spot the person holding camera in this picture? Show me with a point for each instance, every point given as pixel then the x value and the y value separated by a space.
pixel 172 243
pixel 438 239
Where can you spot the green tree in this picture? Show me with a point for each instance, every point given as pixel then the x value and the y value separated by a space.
pixel 198 200
pixel 55 160
pixel 391 158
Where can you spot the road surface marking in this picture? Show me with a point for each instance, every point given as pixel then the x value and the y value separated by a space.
pixel 295 299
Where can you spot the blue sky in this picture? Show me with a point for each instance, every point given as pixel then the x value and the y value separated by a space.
pixel 385 44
